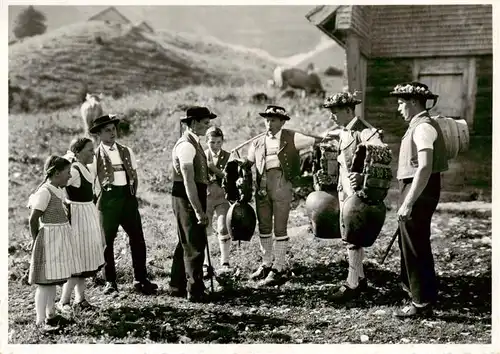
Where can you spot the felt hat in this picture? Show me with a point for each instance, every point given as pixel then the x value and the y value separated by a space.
pixel 197 112
pixel 275 111
pixel 100 122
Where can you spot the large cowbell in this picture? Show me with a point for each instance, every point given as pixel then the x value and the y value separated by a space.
pixel 241 219
pixel 323 212
pixel 363 212
pixel 322 205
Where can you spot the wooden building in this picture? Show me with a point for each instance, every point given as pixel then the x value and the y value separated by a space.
pixel 447 47
pixel 111 15
pixel 144 26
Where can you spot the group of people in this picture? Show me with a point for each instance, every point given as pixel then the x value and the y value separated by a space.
pixel 88 193
pixel 75 214
pixel 275 155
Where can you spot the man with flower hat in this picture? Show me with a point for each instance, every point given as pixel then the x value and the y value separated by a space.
pixel 189 202
pixel 348 134
pixel 277 161
pixel 115 168
pixel 422 159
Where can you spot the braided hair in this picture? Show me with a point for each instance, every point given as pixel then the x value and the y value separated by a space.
pixel 52 165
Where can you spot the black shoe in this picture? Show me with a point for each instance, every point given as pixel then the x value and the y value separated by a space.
pixel 55 321
pixel 83 305
pixel 345 293
pixel 413 311
pixel 274 277
pixel 145 287
pixel 363 284
pixel 110 287
pixel 198 298
pixel 261 273
pixel 174 292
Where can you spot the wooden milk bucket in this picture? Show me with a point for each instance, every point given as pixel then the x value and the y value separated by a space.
pixel 455 133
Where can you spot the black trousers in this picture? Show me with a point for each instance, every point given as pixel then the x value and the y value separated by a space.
pixel 187 265
pixel 417 262
pixel 118 207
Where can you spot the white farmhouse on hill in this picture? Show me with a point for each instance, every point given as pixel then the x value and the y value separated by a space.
pixel 111 14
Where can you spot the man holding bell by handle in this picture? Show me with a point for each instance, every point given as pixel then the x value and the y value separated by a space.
pixel 350 133
pixel 277 161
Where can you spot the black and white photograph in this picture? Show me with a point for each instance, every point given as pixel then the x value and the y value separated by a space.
pixel 250 174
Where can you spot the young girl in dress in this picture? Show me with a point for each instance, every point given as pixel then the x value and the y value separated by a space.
pixel 53 259
pixel 84 221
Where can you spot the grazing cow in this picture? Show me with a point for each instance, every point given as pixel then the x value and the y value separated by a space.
pixel 260 98
pixel 90 110
pixel 297 78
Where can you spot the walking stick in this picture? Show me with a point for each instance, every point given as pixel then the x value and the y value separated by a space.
pixel 388 249
pixel 210 269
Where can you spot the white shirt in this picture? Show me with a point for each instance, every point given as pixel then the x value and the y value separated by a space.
pixel 424 135
pixel 120 177
pixel 215 157
pixel 40 200
pixel 301 141
pixel 185 151
pixel 75 180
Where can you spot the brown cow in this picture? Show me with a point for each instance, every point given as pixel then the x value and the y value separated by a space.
pixel 297 78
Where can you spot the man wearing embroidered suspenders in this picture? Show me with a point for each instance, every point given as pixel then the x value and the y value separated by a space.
pixel 115 168
pixel 277 161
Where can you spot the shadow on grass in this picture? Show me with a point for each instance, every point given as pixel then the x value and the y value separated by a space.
pixel 163 323
pixel 469 295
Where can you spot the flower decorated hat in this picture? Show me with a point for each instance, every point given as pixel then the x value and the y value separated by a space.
pixel 341 99
pixel 275 111
pixel 413 90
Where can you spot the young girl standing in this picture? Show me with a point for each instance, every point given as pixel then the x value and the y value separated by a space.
pixel 84 221
pixel 53 259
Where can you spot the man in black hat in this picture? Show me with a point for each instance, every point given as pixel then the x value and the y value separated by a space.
pixel 349 132
pixel 115 167
pixel 422 159
pixel 189 202
pixel 277 161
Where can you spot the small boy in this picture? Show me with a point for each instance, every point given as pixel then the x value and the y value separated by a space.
pixel 217 159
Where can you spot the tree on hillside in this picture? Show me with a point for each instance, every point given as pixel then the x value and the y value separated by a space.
pixel 30 22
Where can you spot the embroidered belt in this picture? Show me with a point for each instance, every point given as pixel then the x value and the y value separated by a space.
pixel 118 168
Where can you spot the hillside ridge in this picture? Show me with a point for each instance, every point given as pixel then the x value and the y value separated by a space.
pixel 58 67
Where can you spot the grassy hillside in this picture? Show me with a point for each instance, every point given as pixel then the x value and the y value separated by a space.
pixel 60 65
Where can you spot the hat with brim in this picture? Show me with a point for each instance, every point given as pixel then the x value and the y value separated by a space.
pixel 102 121
pixel 198 113
pixel 275 111
pixel 411 90
pixel 341 100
